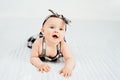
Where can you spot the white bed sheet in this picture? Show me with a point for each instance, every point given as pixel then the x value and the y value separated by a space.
pixel 96 50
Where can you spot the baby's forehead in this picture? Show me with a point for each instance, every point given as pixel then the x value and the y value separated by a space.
pixel 54 20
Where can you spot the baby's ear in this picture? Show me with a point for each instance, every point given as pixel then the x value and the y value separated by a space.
pixel 42 30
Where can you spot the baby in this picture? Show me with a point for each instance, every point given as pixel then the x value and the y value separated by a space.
pixel 52 45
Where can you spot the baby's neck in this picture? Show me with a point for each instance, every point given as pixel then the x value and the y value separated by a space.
pixel 50 44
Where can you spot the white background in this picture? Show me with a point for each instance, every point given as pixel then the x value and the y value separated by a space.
pixel 96 21
pixel 94 31
pixel 80 9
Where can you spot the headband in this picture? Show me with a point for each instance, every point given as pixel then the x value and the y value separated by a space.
pixel 67 21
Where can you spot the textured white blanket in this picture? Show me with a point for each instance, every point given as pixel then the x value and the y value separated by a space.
pixel 95 46
pixel 16 66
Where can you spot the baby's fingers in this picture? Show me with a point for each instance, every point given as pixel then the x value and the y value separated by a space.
pixel 61 71
pixel 67 74
pixel 46 69
pixel 41 70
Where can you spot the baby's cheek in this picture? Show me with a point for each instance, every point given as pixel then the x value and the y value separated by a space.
pixel 62 38
pixel 48 33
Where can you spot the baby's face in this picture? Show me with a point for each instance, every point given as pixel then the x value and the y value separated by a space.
pixel 54 29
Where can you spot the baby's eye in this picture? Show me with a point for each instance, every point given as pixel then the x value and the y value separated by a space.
pixel 52 27
pixel 61 29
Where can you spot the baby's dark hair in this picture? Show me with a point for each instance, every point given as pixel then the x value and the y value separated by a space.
pixel 56 15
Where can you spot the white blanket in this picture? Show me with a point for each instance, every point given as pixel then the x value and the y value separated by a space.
pixel 16 66
pixel 95 46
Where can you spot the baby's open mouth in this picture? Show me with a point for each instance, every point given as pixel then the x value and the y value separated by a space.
pixel 55 36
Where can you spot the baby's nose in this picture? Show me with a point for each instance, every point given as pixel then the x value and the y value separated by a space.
pixel 56 31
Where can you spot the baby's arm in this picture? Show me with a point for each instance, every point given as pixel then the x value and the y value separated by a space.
pixel 34 59
pixel 69 60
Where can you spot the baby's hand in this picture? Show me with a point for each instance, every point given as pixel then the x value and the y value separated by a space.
pixel 66 71
pixel 44 67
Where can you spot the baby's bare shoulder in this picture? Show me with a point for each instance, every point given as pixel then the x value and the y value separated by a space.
pixel 38 41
